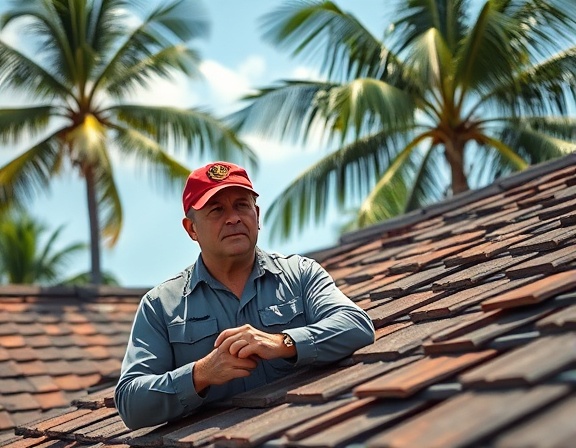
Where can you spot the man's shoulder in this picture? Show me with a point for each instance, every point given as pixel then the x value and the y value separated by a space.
pixel 292 261
pixel 174 286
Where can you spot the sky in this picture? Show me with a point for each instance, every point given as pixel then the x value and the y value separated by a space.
pixel 153 245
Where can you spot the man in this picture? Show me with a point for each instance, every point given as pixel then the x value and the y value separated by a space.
pixel 237 319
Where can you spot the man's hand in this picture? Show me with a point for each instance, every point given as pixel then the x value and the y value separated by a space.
pixel 247 342
pixel 220 366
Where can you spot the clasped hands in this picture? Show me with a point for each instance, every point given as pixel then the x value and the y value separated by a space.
pixel 236 353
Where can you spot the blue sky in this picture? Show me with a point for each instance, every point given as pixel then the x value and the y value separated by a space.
pixel 153 245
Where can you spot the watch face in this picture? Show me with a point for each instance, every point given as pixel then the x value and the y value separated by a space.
pixel 288 342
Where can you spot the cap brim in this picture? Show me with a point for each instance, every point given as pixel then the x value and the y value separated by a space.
pixel 206 196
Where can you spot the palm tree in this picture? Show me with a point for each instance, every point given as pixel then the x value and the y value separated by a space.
pixel 86 58
pixel 450 98
pixel 23 257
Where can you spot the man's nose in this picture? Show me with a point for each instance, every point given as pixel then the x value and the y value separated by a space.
pixel 232 216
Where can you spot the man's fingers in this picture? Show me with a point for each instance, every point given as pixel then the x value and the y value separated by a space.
pixel 236 346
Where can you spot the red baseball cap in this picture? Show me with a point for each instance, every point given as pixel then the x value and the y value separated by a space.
pixel 205 182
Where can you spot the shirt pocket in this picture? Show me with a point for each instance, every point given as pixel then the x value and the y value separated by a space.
pixel 289 314
pixel 191 332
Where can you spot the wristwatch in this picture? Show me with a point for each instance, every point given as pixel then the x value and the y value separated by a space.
pixel 288 341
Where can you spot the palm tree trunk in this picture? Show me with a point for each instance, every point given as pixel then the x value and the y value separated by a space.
pixel 455 156
pixel 95 272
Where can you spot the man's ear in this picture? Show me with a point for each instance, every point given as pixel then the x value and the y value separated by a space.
pixel 258 216
pixel 189 227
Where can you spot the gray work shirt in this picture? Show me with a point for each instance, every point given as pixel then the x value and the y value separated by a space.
pixel 178 321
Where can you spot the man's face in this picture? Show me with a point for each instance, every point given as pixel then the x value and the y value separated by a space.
pixel 227 226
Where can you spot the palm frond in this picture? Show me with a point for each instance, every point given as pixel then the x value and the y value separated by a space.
pixel 365 104
pixel 164 63
pixel 534 145
pixel 148 154
pixel 418 17
pixel 288 112
pixel 427 185
pixel 30 173
pixel 487 56
pixel 21 72
pixel 30 121
pixel 169 25
pixel 49 23
pixel 195 130
pixel 350 50
pixel 340 178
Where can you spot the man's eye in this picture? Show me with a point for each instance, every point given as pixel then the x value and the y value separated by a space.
pixel 216 210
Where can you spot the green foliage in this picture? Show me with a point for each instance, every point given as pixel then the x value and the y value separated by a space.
pixel 89 56
pixel 28 257
pixel 451 97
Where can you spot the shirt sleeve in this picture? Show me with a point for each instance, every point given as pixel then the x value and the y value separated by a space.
pixel 151 390
pixel 338 326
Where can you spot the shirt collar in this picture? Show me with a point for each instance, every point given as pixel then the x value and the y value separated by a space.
pixel 198 273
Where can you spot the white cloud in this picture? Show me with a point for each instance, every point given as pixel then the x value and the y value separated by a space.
pixel 226 86
pixel 305 73
pixel 175 91
pixel 252 68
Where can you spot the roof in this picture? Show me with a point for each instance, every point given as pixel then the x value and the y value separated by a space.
pixel 57 344
pixel 474 301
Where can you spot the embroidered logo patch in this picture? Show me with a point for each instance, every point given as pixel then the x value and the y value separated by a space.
pixel 218 172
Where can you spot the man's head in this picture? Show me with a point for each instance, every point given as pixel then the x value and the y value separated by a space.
pixel 205 182
pixel 221 212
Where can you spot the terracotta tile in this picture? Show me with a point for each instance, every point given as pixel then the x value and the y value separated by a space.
pixel 20 402
pixel 526 365
pixel 401 342
pixel 199 433
pixel 534 292
pixel 50 400
pixel 9 369
pixel 564 319
pixel 4 354
pixel 68 382
pixel 354 431
pixel 275 392
pixel 483 252
pixel 554 425
pixel 31 329
pixel 108 367
pixel 16 386
pixel 417 262
pixel 6 421
pixel 84 328
pixel 483 330
pixel 410 282
pixel 471 276
pixel 269 425
pixel 12 341
pixel 468 418
pixel 546 241
pixel 406 381
pixel 400 306
pixel 49 353
pixel 9 329
pixel 57 329
pixel 30 368
pixel 40 341
pixel 459 301
pixel 546 263
pixel 23 354
pixel 317 424
pixel 343 381
pixel 42 383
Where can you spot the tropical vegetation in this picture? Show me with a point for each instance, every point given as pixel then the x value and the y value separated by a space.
pixel 27 256
pixel 82 62
pixel 454 95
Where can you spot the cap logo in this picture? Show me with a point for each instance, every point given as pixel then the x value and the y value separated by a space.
pixel 218 172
